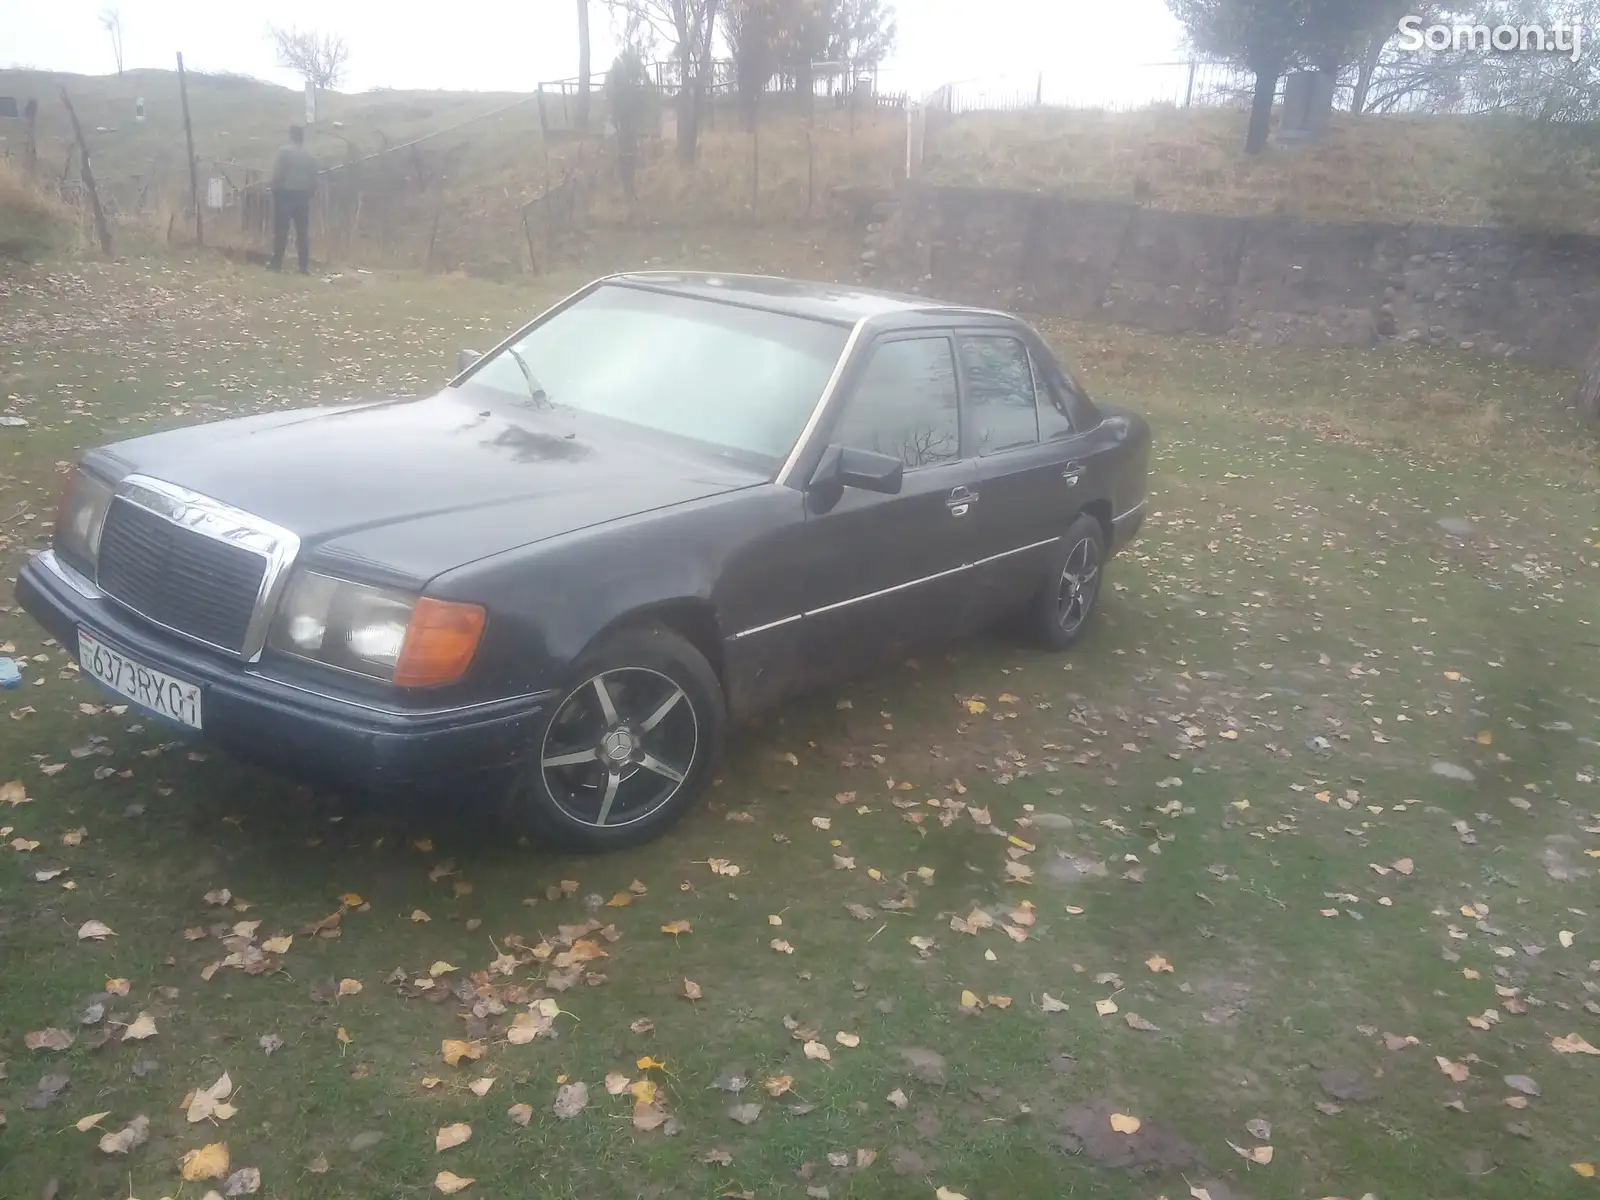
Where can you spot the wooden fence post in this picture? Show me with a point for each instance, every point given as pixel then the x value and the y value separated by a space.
pixel 188 137
pixel 100 225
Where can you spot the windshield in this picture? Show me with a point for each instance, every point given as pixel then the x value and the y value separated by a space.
pixel 733 377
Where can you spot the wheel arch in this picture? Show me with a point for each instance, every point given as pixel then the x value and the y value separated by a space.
pixel 692 618
pixel 1100 510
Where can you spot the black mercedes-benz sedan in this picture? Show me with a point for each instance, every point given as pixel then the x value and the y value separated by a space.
pixel 666 503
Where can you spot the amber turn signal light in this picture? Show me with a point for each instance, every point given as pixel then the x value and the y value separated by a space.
pixel 441 639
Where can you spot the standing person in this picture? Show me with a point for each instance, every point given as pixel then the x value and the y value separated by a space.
pixel 294 179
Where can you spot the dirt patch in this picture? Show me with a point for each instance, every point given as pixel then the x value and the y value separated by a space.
pixel 1085 1128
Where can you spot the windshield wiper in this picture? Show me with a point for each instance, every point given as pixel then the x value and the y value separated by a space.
pixel 536 391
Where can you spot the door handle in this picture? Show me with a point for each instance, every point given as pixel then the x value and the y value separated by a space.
pixel 961 500
pixel 958 510
pixel 1072 473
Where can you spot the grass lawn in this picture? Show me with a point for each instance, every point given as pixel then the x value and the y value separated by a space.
pixel 954 926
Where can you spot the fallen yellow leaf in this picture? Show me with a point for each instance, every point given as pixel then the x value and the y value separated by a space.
pixel 650 1064
pixel 350 900
pixel 95 931
pixel 84 1124
pixel 208 1162
pixel 777 1085
pixel 1123 1123
pixel 616 1083
pixel 118 987
pixel 676 927
pixel 1586 1169
pixel 976 706
pixel 455 1050
pixel 848 1040
pixel 643 1091
pixel 279 944
pixel 620 900
pixel 450 1183
pixel 481 1086
pixel 1157 964
pixel 520 1113
pixel 818 1050
pixel 143 1026
pixel 1105 1007
pixel 691 990
pixel 450 1136
pixel 970 1000
pixel 945 1193
pixel 419 916
pixel 441 968
pixel 349 987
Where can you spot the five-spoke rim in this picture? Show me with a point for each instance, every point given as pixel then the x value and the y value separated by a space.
pixel 619 747
pixel 1080 580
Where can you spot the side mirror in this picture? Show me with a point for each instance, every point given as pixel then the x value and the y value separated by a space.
pixel 842 466
pixel 465 359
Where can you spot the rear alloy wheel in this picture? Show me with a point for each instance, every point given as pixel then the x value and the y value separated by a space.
pixel 1068 595
pixel 628 747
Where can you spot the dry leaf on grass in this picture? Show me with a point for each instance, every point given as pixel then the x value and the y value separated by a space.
pixel 818 1050
pixel 48 1039
pixel 279 944
pixel 450 1183
pixel 481 1086
pixel 1123 1123
pixel 520 1113
pixel 1105 1007
pixel 211 1102
pixel 1255 1154
pixel 848 1040
pixel 455 1050
pixel 1050 1004
pixel 616 1083
pixel 1157 964
pixel 349 987
pixel 1135 1021
pixel 246 1181
pixel 677 927
pixel 1457 1071
pixel 450 1136
pixel 691 990
pixel 95 931
pixel 84 1124
pixel 208 1162
pixel 647 1117
pixel 1572 1044
pixel 945 1193
pixel 118 987
pixel 777 1085
pixel 571 1099
pixel 134 1135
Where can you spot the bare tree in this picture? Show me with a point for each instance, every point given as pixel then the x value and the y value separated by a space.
pixel 583 65
pixel 320 58
pixel 690 26
pixel 111 22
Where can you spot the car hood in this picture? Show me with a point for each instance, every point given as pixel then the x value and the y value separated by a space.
pixel 410 488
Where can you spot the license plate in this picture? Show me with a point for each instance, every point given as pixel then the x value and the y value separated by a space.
pixel 174 699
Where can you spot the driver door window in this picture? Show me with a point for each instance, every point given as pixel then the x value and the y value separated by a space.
pixel 905 404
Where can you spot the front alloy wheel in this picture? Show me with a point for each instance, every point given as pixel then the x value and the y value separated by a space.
pixel 619 747
pixel 628 747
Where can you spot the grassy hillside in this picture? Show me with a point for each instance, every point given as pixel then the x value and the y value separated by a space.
pixel 456 200
pixel 235 117
pixel 1441 170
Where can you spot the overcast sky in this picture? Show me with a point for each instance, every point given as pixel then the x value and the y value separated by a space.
pixel 511 45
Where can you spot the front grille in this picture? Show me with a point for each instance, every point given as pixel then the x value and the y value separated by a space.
pixel 184 580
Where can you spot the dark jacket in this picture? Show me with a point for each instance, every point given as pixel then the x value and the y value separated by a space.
pixel 294 170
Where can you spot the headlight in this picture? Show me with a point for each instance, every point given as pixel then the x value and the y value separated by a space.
pixel 408 640
pixel 80 516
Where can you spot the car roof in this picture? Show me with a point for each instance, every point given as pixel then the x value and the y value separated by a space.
pixel 842 303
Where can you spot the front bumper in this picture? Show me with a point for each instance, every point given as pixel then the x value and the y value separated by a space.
pixel 282 724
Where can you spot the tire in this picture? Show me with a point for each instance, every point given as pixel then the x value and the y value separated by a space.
pixel 1068 595
pixel 643 701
